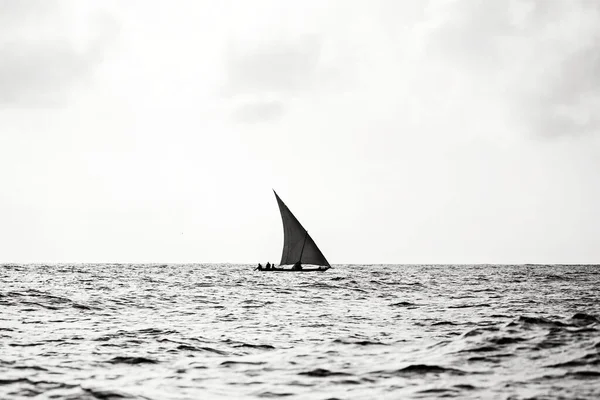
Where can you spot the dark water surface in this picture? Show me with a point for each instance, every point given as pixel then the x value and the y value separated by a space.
pixel 354 332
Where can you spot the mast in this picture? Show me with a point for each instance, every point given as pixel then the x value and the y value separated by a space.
pixel 303 244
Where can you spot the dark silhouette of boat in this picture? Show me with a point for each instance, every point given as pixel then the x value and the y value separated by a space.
pixel 298 247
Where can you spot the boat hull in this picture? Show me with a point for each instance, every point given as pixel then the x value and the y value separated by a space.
pixel 293 270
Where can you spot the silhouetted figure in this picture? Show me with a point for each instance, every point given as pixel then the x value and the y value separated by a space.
pixel 259 267
pixel 297 266
pixel 268 265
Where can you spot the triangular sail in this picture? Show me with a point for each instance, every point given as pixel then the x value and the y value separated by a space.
pixel 295 238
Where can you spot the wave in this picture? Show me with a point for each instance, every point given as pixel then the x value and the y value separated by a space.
pixel 470 305
pixel 42 384
pixel 225 363
pixel 177 333
pixel 585 319
pixel 584 374
pixel 587 360
pixel 271 395
pixel 255 346
pixel 422 369
pixel 439 323
pixel 132 360
pixel 360 342
pixel 403 304
pixel 323 373
pixel 104 394
pixel 145 332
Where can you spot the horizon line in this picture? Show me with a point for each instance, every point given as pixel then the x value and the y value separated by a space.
pixel 2 263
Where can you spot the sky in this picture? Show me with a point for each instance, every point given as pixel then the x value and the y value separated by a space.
pixel 421 131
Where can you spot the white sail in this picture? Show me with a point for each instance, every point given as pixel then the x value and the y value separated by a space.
pixel 297 243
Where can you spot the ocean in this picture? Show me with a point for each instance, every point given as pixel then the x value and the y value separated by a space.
pixel 194 331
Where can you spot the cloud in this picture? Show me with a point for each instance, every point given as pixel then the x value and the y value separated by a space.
pixel 571 102
pixel 280 66
pixel 539 58
pixel 259 111
pixel 46 48
pixel 282 69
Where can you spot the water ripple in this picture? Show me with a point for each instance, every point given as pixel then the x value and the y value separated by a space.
pixel 132 331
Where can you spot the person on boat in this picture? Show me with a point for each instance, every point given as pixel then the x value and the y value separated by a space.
pixel 268 265
pixel 259 267
pixel 297 266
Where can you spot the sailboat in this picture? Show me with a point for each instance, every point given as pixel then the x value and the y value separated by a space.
pixel 298 247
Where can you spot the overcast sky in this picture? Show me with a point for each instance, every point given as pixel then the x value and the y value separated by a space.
pixel 414 131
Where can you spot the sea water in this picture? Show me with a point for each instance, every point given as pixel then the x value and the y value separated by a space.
pixel 121 331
